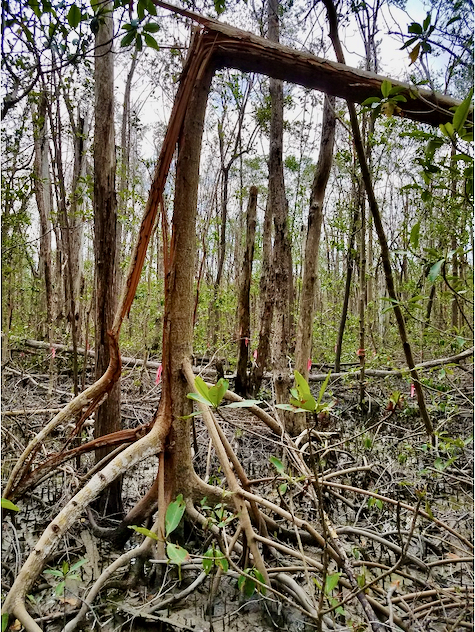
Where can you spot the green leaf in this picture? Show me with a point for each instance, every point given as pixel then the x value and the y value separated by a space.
pixel 331 581
pixel 216 392
pixel 177 554
pixel 435 270
pixel 175 511
pixel 53 572
pixel 7 504
pixel 129 38
pixel 426 23
pixel 462 111
pixel 138 42
pixel 279 466
pixel 202 388
pixel 59 590
pixel 151 27
pixel 65 568
pixel 151 42
pixel 4 621
pixel 415 28
pixel 371 100
pixel 414 236
pixel 283 488
pixel 208 561
pixel 144 531
pixel 386 88
pixel 447 130
pixel 198 398
pixel 74 16
pixel 291 408
pixel 220 6
pixel 246 403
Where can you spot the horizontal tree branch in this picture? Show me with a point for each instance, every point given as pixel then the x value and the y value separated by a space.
pixel 234 48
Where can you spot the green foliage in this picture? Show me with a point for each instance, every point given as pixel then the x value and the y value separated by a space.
pixel 4 621
pixel 331 582
pixel 175 511
pixel 388 103
pixel 214 558
pixel 247 583
pixel 66 572
pixel 7 504
pixel 144 531
pixel 302 400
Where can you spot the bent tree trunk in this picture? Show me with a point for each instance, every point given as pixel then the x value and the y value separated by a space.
pixel 105 240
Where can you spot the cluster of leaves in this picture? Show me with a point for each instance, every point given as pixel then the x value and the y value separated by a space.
pixel 213 395
pixel 388 103
pixel 302 400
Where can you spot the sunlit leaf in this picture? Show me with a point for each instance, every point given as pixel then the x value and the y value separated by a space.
pixel 144 531
pixel 7 504
pixel 151 42
pixel 386 88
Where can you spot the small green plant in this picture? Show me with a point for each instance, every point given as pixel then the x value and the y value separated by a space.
pixel 331 582
pixel 66 572
pixel 5 617
pixel 375 502
pixel 247 583
pixel 302 400
pixel 175 510
pixel 213 558
pixel 213 395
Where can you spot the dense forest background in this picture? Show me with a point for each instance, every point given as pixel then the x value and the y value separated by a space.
pixel 180 204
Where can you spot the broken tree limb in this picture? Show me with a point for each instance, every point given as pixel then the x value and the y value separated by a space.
pixel 234 48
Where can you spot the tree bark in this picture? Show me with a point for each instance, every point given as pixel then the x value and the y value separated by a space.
pixel 241 384
pixel 282 253
pixel 43 202
pixel 312 245
pixel 105 239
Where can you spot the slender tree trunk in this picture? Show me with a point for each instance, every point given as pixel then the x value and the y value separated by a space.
pixel 43 202
pixel 378 224
pixel 350 263
pixel 282 254
pixel 244 313
pixel 312 246
pixel 76 219
pixel 105 239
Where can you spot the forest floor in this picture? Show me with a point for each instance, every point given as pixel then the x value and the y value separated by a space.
pixel 402 509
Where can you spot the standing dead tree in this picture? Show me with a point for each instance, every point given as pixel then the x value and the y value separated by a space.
pixel 214 46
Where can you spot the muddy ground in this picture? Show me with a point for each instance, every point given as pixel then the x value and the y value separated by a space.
pixel 382 451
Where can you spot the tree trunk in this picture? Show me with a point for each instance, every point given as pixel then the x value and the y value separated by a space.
pixel 105 239
pixel 241 384
pixel 43 202
pixel 312 246
pixel 378 224
pixel 282 254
